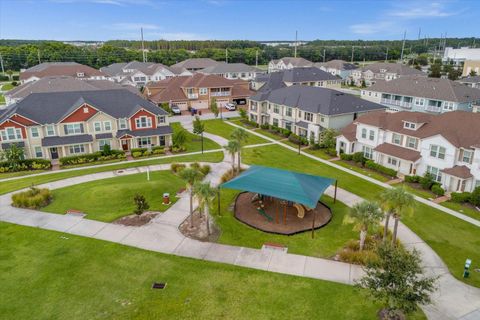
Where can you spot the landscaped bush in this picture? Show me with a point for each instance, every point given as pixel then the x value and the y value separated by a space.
pixel 205 169
pixel 475 197
pixel 27 164
pixel 331 152
pixel 427 181
pixel 363 257
pixel 92 157
pixel 379 168
pixel 178 149
pixel 229 175
pixel 346 157
pixel 33 198
pixel 265 126
pixel 412 179
pixel 358 157
pixel 438 190
pixel 249 123
pixel 141 150
pixel 177 167
pixel 461 197
pixel 297 139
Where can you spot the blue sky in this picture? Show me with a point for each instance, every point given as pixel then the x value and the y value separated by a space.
pixel 235 19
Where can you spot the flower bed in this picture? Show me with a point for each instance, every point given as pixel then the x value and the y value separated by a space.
pixel 25 165
pixel 92 157
pixel 144 152
pixel 33 198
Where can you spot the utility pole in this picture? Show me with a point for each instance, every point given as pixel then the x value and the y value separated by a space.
pixel 353 49
pixel 323 55
pixel 403 45
pixel 144 57
pixel 256 59
pixel 38 55
pixel 386 56
pixel 226 55
pixel 295 45
pixel 1 64
pixel 419 33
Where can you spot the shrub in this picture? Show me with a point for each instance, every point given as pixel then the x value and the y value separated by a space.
pixel 475 197
pixel 314 146
pixel 297 139
pixel 438 190
pixel 412 179
pixel 358 257
pixel 379 168
pixel 229 175
pixel 158 151
pixel 177 167
pixel 359 158
pixel 141 150
pixel 33 198
pixel 461 197
pixel 265 126
pixel 205 169
pixel 137 154
pixel 427 181
pixel 195 166
pixel 27 164
pixel 346 157
pixel 331 152
pixel 141 204
pixel 92 157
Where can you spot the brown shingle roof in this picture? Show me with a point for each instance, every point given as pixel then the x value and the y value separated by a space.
pixel 399 152
pixel 458 171
pixel 50 69
pixel 350 132
pixel 460 128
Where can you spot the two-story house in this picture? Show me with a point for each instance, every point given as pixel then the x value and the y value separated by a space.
pixel 288 63
pixel 56 69
pixel 446 145
pixel 382 71
pixel 137 73
pixel 306 111
pixel 422 94
pixel 340 68
pixel 59 124
pixel 233 71
pixel 197 91
pixel 308 76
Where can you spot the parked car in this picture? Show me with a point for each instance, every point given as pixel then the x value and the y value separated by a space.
pixel 230 106
pixel 176 110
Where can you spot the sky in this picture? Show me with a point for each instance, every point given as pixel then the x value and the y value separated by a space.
pixel 101 20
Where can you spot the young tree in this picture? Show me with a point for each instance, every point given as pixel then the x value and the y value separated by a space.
pixel 205 194
pixel 232 148
pixel 364 215
pixel 241 136
pixel 10 74
pixel 179 138
pixel 243 113
pixel 435 70
pixel 329 138
pixel 13 156
pixel 214 107
pixel 141 204
pixel 396 202
pixel 364 84
pixel 198 128
pixel 397 281
pixel 190 176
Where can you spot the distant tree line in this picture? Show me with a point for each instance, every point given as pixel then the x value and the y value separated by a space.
pixel 19 54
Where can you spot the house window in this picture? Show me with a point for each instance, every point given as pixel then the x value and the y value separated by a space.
pixel 392 161
pixel 367 152
pixel 308 116
pixel 107 126
pixel 73 128
pixel 102 143
pixel 397 138
pixel 77 148
pixel 80 74
pixel 97 126
pixel 448 105
pixel 288 126
pixel 38 152
pixel 276 109
pixel 437 151
pixel 50 130
pixel 409 125
pixel 322 119
pixel 435 172
pixel 122 123
pixel 275 122
pixel 412 142
pixel 364 133
pixel 467 156
pixel 371 136
pixel 161 119
pixel 34 132
pixel 203 91
pixel 419 101
pixel 144 142
pixel 143 122
pixel 288 112
pixel 11 134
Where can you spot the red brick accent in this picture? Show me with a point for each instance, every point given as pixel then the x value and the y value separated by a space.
pixel 142 113
pixel 80 115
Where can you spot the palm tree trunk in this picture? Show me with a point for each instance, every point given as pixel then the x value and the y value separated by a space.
pixel 385 229
pixel 207 212
pixel 191 208
pixel 239 160
pixel 395 227
pixel 233 162
pixel 363 236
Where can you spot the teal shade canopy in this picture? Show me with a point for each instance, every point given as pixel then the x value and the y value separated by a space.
pixel 282 184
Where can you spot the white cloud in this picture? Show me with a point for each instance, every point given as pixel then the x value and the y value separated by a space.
pixel 431 10
pixel 370 28
pixel 120 3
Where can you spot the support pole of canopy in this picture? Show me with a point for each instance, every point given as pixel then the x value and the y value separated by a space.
pixel 313 224
pixel 335 194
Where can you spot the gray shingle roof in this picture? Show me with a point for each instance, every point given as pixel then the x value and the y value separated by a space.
pixel 474 79
pixel 66 140
pixel 221 68
pixel 276 80
pixel 336 64
pixel 45 108
pixel 317 100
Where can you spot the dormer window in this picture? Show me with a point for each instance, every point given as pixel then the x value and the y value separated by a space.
pixel 383 70
pixel 409 125
pixel 80 74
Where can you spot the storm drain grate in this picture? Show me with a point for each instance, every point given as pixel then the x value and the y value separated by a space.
pixel 159 285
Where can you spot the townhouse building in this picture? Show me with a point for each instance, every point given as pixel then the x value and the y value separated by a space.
pixel 56 69
pixel 137 73
pixel 307 111
pixel 59 124
pixel 288 63
pixel 197 91
pixel 446 145
pixel 414 93
pixel 473 81
pixel 382 71
pixel 308 76
pixel 195 64
pixel 233 71
pixel 340 68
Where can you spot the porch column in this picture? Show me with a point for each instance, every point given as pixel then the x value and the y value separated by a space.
pixel 90 148
pixel 64 153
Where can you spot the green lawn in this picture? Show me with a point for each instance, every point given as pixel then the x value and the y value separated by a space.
pixel 194 142
pixel 51 275
pixel 326 243
pixel 269 134
pixel 222 129
pixel 318 153
pixel 422 193
pixel 462 208
pixel 453 239
pixel 7 86
pixel 12 185
pixel 110 199
pixel 364 171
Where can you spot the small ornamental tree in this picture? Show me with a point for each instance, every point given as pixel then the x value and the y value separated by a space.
pixel 243 113
pixel 141 204
pixel 179 138
pixel 13 156
pixel 214 107
pixel 397 281
pixel 198 128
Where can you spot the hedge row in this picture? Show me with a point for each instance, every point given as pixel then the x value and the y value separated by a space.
pixel 379 168
pixel 92 157
pixel 144 152
pixel 427 183
pixel 27 164
pixel 471 197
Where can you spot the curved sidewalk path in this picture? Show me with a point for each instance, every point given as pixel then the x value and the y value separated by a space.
pixel 453 299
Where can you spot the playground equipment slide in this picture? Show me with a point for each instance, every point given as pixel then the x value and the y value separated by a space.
pixel 263 213
pixel 300 210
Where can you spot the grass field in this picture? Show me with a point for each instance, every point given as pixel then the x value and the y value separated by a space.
pixel 365 171
pixel 7 86
pixel 222 129
pixel 51 275
pixel 194 142
pixel 110 199
pixel 462 208
pixel 12 185
pixel 453 239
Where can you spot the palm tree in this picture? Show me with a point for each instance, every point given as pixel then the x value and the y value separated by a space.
pixel 205 194
pixel 386 201
pixel 190 176
pixel 241 136
pixel 398 202
pixel 232 148
pixel 364 215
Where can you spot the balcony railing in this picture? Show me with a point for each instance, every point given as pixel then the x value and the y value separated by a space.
pixel 192 96
pixel 220 94
pixel 399 103
pixel 433 109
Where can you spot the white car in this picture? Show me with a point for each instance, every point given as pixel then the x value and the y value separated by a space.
pixel 230 106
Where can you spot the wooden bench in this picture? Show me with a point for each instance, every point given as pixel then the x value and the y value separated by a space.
pixel 274 246
pixel 74 212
